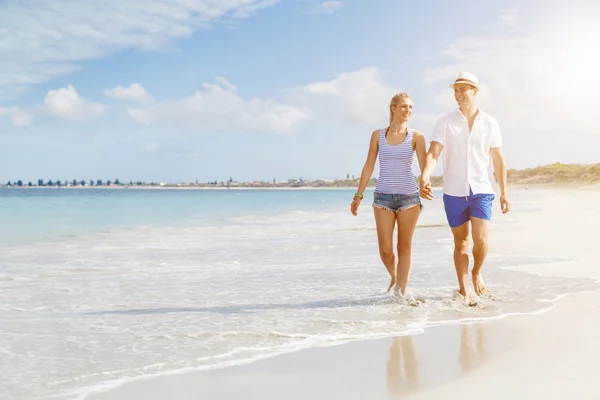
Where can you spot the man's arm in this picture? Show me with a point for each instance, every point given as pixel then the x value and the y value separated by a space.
pixel 501 176
pixel 431 160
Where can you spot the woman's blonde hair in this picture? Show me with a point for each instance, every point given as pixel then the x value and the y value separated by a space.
pixel 394 101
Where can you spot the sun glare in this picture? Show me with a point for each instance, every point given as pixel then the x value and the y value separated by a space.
pixel 585 59
pixel 578 60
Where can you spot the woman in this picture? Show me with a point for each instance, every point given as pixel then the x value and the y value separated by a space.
pixel 396 197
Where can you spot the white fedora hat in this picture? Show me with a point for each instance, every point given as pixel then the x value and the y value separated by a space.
pixel 468 78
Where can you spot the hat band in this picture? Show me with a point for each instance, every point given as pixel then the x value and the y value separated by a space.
pixel 463 80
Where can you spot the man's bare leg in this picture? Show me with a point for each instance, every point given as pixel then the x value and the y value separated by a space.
pixel 480 250
pixel 407 221
pixel 461 257
pixel 385 221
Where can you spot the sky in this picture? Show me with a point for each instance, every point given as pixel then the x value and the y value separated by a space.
pixel 185 90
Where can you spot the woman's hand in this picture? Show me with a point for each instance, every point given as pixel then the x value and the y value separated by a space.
pixel 354 205
pixel 425 189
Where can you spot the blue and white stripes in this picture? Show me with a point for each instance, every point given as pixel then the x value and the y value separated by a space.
pixel 395 166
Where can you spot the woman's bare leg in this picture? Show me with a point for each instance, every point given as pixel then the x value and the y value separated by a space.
pixel 385 220
pixel 407 221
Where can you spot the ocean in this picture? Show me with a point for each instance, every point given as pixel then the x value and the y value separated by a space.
pixel 102 286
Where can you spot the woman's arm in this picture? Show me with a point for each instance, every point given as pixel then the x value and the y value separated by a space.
pixel 420 148
pixel 366 173
pixel 369 166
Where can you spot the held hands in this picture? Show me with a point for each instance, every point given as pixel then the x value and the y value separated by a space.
pixel 425 186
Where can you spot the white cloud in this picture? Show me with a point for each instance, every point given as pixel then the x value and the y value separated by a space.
pixel 66 103
pixel 134 92
pixel 508 17
pixel 327 7
pixel 352 98
pixel 45 38
pixel 359 99
pixel 219 107
pixel 356 97
pixel 540 83
pixel 19 118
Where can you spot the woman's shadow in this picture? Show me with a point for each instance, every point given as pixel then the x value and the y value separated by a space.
pixel 403 376
pixel 402 366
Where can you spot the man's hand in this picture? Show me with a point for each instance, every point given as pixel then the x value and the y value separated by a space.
pixel 504 204
pixel 425 187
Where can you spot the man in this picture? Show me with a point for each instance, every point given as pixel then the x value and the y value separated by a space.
pixel 471 139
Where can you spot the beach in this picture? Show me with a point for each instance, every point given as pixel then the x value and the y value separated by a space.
pixel 111 294
pixel 550 354
pixel 221 200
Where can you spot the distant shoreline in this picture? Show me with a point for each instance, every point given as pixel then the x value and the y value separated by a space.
pixel 512 186
pixel 548 176
pixel 136 187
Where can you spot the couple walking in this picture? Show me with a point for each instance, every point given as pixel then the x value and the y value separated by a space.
pixel 471 139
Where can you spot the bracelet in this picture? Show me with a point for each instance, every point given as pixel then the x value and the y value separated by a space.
pixel 360 196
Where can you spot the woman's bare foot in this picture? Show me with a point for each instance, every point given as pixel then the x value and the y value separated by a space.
pixel 478 284
pixel 392 284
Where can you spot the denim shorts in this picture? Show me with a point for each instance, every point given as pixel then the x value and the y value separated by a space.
pixel 396 202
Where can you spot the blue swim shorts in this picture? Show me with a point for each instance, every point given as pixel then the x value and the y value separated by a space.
pixel 396 202
pixel 459 209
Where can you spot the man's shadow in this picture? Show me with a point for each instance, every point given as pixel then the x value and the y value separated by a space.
pixel 473 345
pixel 402 366
pixel 403 375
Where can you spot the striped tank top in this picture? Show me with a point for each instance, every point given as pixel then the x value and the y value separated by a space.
pixel 395 166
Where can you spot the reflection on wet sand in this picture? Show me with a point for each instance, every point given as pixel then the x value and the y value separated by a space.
pixel 472 354
pixel 402 366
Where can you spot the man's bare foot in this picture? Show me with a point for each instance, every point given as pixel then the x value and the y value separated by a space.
pixel 478 284
pixel 466 299
pixel 392 284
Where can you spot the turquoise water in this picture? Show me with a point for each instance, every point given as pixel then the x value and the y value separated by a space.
pixel 50 213
pixel 101 286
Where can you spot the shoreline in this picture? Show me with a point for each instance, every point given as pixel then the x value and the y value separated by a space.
pixel 263 376
pixel 522 349
pixel 338 358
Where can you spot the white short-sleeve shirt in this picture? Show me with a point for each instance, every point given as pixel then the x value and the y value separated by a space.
pixel 467 157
